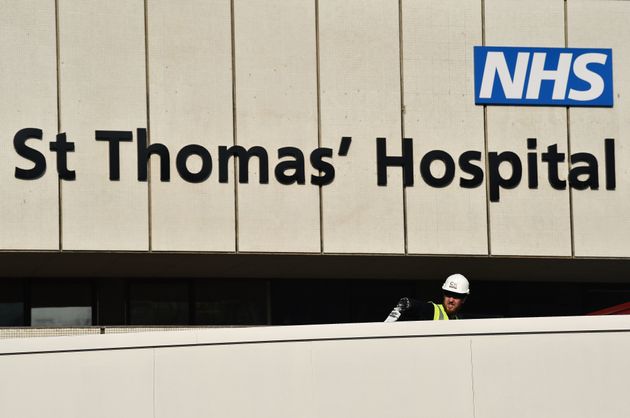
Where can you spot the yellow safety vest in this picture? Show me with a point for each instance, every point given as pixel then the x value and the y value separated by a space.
pixel 439 314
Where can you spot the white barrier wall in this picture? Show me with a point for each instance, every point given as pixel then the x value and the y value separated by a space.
pixel 303 74
pixel 550 367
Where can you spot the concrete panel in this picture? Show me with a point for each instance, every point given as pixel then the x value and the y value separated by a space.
pixel 269 380
pixel 276 105
pixel 78 384
pixel 521 367
pixel 560 375
pixel 102 87
pixel 601 217
pixel 190 95
pixel 393 377
pixel 29 209
pixel 438 40
pixel 527 221
pixel 360 98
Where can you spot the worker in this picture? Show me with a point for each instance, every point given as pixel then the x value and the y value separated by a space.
pixel 455 290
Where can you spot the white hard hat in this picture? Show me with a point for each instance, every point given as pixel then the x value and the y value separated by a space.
pixel 457 283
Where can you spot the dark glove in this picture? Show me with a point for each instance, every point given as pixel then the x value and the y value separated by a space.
pixel 404 304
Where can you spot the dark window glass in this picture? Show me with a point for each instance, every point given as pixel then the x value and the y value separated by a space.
pixel 338 301
pixel 159 302
pixel 112 301
pixel 11 303
pixel 373 300
pixel 230 302
pixel 310 301
pixel 59 303
pixel 606 297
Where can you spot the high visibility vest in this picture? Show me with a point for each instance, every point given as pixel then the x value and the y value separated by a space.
pixel 439 314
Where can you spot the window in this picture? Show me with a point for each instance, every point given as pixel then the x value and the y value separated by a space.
pixel 164 302
pixel 62 303
pixel 231 302
pixel 12 303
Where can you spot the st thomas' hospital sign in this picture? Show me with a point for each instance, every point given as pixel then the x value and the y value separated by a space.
pixel 503 76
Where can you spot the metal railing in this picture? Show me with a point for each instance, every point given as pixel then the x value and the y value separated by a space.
pixel 29 332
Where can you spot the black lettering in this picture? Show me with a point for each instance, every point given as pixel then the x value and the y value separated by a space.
pixel 31 154
pixel 609 153
pixel 532 164
pixel 296 165
pixel 62 147
pixel 449 165
pixel 114 138
pixel 206 163
pixel 552 157
pixel 383 161
pixel 344 146
pixel 144 154
pixel 496 181
pixel 474 170
pixel 589 170
pixel 242 156
pixel 325 169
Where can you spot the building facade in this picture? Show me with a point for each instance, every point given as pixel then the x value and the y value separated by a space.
pixel 231 162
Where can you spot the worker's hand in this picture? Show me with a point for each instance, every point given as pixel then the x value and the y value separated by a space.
pixel 404 304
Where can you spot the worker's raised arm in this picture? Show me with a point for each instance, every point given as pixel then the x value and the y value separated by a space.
pixel 404 305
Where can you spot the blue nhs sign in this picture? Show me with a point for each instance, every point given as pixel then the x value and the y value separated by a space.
pixel 543 76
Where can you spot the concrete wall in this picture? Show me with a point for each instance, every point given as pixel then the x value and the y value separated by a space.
pixel 302 73
pixel 551 367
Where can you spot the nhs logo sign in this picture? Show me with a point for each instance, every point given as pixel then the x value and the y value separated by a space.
pixel 543 76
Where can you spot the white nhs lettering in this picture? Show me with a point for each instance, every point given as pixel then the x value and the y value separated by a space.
pixel 514 85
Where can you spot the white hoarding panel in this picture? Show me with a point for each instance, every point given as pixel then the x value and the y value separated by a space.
pixel 99 384
pixel 491 368
pixel 392 377
pixel 578 375
pixel 257 380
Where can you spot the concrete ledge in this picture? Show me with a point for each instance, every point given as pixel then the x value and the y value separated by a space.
pixel 255 335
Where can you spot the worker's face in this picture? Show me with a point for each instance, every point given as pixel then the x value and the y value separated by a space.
pixel 453 302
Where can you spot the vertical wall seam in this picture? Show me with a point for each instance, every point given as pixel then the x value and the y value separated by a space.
pixel 485 137
pixel 154 382
pixel 58 67
pixel 571 222
pixel 319 126
pixel 402 120
pixel 472 378
pixel 233 46
pixel 148 105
